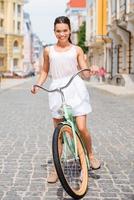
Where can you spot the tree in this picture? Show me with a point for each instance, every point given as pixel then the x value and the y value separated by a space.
pixel 82 37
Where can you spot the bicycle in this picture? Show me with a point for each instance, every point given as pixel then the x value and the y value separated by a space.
pixel 69 151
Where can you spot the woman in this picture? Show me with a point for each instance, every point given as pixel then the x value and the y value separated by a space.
pixel 63 60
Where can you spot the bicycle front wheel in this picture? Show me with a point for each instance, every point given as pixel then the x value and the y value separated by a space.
pixel 72 172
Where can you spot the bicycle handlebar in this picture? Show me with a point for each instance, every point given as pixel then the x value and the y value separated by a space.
pixel 61 88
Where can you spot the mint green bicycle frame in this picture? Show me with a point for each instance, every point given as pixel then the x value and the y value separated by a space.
pixel 69 120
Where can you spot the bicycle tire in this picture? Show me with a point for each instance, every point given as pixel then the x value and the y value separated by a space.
pixel 58 137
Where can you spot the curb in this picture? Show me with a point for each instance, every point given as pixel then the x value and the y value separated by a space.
pixel 116 90
pixel 10 83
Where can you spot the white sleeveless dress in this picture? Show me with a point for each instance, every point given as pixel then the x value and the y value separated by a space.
pixel 62 66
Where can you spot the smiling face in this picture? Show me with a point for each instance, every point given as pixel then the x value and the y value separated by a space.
pixel 62 32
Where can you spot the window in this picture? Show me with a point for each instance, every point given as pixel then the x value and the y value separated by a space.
pixel 27 25
pixel 19 9
pixel 13 25
pixel 14 7
pixel 114 7
pixel 1 22
pixel 15 62
pixel 16 44
pixel 122 4
pixel 1 42
pixel 1 5
pixel 18 26
pixel 1 62
pixel 16 47
pixel 90 2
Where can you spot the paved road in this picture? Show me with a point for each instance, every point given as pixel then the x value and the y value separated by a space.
pixel 25 146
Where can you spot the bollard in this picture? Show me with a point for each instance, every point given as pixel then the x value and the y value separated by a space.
pixel 0 79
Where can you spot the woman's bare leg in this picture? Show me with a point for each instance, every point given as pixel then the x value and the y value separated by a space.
pixel 56 122
pixel 52 178
pixel 81 124
pixel 85 134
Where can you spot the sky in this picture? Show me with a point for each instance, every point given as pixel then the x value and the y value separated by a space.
pixel 42 16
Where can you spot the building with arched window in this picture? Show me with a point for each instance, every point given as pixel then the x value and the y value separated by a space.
pixel 110 38
pixel 121 32
pixel 11 35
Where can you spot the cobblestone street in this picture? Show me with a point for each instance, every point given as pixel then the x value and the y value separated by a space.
pixel 25 146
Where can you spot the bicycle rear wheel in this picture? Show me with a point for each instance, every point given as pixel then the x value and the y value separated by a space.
pixel 73 173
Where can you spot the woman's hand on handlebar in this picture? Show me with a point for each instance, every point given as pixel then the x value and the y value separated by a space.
pixel 93 73
pixel 87 74
pixel 34 89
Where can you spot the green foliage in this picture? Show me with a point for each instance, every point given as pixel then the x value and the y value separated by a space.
pixel 82 37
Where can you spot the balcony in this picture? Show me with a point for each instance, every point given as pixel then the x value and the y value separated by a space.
pixel 122 5
pixel 16 50
pixel 1 13
pixel 122 10
pixel 130 12
pixel 2 30
pixel 95 41
pixel 3 50
pixel 131 6
pixel 113 15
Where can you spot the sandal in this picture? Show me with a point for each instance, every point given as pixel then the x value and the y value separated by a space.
pixel 94 163
pixel 52 178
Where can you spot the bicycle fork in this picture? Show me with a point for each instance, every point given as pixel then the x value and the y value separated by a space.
pixel 73 143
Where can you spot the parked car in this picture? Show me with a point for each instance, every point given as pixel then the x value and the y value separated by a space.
pixel 22 74
pixel 18 74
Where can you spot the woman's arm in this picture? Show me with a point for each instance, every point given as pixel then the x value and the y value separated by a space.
pixel 82 62
pixel 44 70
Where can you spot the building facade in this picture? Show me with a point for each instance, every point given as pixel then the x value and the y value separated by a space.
pixel 121 32
pixel 76 11
pixel 96 32
pixel 37 50
pixel 11 35
pixel 27 50
pixel 110 38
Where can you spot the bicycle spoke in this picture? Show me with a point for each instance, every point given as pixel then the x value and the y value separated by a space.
pixel 71 168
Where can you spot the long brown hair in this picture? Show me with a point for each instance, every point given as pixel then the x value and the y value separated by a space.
pixel 65 20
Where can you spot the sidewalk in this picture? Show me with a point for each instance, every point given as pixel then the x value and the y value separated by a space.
pixel 9 83
pixel 116 90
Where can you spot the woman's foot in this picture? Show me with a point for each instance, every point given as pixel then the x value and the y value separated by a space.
pixel 52 177
pixel 94 163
